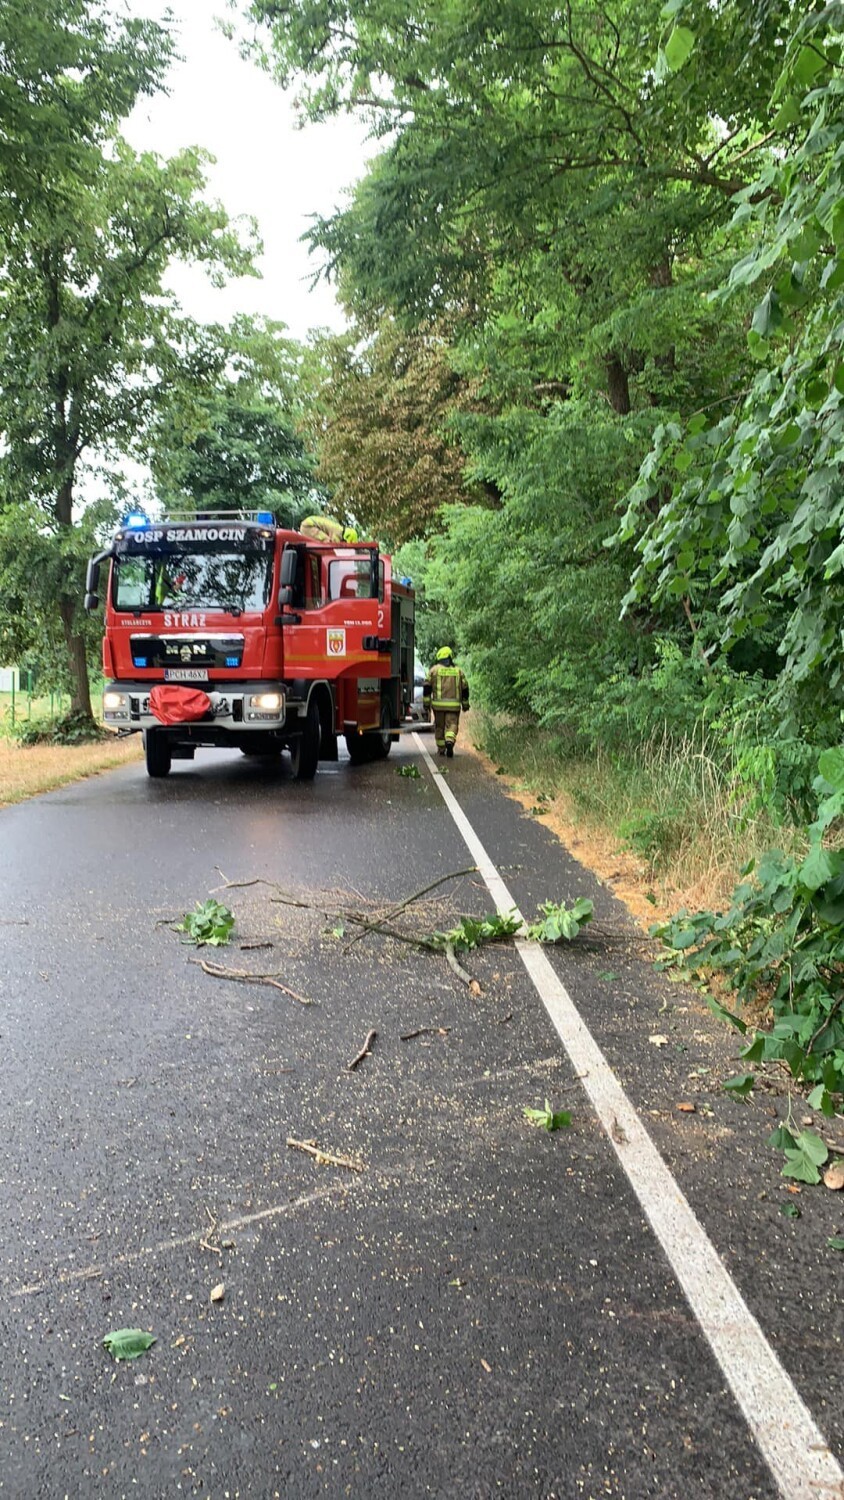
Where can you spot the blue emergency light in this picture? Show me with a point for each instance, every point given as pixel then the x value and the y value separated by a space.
pixel 265 518
pixel 136 520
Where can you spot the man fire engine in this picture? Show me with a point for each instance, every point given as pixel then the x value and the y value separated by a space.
pixel 228 630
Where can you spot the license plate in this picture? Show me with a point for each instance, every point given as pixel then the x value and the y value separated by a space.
pixel 185 674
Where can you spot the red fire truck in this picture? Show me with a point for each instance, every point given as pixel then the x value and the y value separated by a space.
pixel 228 630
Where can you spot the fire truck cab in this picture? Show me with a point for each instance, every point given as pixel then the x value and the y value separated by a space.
pixel 224 629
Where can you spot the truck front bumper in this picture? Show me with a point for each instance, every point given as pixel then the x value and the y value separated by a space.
pixel 248 706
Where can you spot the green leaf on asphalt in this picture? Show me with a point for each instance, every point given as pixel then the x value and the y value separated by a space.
pixel 547 1118
pixel 782 1139
pixel 835 1242
pixel 741 1084
pixel 559 923
pixel 807 1155
pixel 128 1343
pixel 210 923
pixel 813 1147
pixel 799 1167
pixel 790 1210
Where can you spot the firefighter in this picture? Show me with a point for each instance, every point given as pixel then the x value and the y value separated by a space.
pixel 326 529
pixel 446 691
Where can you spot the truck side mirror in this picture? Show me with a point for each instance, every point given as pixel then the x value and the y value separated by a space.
pixel 289 569
pixel 92 581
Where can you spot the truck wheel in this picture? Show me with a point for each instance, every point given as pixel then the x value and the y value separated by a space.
pixel 304 752
pixel 383 740
pixel 359 747
pixel 157 751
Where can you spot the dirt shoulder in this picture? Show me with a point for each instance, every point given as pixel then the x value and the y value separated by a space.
pixel 596 848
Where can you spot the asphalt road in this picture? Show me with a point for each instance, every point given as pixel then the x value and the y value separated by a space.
pixel 483 1310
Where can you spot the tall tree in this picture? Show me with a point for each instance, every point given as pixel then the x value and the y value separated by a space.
pixel 382 419
pixel 88 336
pixel 239 443
pixel 740 510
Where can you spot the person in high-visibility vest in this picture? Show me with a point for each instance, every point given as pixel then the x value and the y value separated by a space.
pixel 446 691
pixel 326 529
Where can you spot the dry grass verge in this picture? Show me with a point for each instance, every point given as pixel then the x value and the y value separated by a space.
pixel 27 770
pixel 601 812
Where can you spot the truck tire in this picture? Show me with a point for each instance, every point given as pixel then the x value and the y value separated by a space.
pixel 304 751
pixel 158 755
pixel 382 741
pixel 359 747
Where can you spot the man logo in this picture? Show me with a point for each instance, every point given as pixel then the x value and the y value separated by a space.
pixel 185 653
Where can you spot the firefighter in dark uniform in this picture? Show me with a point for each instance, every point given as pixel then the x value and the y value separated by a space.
pixel 446 691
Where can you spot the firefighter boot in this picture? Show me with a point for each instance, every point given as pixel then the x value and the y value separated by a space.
pixel 449 749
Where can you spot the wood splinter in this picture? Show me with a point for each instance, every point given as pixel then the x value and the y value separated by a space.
pixel 326 1158
pixel 364 1051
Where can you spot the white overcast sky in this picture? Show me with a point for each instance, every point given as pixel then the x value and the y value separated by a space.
pixel 265 166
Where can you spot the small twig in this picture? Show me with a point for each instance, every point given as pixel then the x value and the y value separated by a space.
pixel 396 910
pixel 424 1031
pixel 215 1249
pixel 15 922
pixel 248 947
pixel 451 960
pixel 326 1158
pixel 364 1051
pixel 243 976
pixel 305 905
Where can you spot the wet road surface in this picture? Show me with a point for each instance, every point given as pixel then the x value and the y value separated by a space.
pixel 483 1310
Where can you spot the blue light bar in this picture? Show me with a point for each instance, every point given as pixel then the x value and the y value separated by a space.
pixel 232 661
pixel 140 661
pixel 136 520
pixel 265 518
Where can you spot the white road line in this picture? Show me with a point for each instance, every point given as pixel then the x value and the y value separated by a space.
pixel 791 1443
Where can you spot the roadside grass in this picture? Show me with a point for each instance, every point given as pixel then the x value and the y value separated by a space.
pixel 27 770
pixel 38 709
pixel 662 824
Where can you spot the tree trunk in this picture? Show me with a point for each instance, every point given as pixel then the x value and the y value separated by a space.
pixel 618 388
pixel 80 693
pixel 80 698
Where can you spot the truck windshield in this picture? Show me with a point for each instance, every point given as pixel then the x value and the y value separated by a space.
pixel 188 579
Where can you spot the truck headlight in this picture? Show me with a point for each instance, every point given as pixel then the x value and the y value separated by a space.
pixel 113 701
pixel 268 703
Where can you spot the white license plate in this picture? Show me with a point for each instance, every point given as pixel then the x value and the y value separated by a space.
pixel 185 674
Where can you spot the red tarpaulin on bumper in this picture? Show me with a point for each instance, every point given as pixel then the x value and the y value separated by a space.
pixel 178 705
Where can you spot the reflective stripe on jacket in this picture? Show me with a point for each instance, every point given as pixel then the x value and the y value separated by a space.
pixel 447 688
